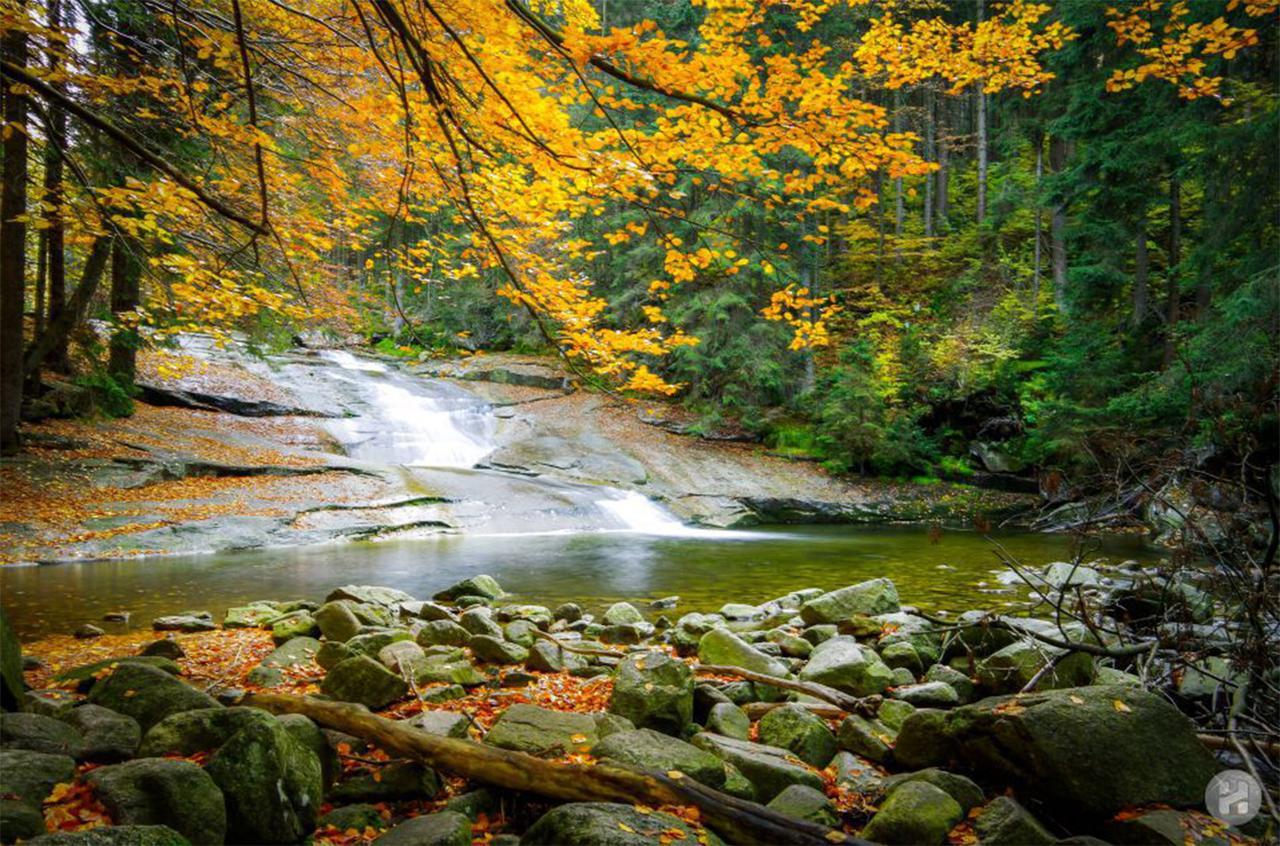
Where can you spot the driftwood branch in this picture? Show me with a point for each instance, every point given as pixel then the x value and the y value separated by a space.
pixel 756 710
pixel 868 705
pixel 735 819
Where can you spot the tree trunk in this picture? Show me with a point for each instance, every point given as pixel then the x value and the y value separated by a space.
pixel 1059 152
pixel 930 154
pixel 899 201
pixel 54 191
pixel 59 329
pixel 13 242
pixel 1035 270
pixel 943 174
pixel 126 275
pixel 982 138
pixel 737 820
pixel 1174 295
pixel 1141 269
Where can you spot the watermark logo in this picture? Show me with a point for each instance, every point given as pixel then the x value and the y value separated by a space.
pixel 1233 796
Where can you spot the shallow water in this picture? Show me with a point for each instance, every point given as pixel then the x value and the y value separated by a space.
pixel 956 573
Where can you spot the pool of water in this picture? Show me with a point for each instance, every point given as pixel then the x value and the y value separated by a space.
pixel 955 571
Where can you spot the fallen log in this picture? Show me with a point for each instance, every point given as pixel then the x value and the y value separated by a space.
pixel 867 705
pixel 736 820
pixel 756 710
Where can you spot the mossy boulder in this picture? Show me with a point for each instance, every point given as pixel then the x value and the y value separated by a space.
pixel 730 720
pixel 848 666
pixel 486 586
pixel 11 682
pixel 543 732
pixel 447 828
pixel 443 633
pixel 964 791
pixel 805 803
pixel 273 784
pixel 651 750
pixel 1006 823
pixel 653 690
pixel 147 694
pixel 250 616
pixel 916 813
pixel 441 723
pixel 1088 751
pixel 769 769
pixel 866 736
pixel 31 775
pixel 296 624
pixel 936 694
pixel 160 791
pixel 106 735
pixel 607 824
pixel 116 835
pixel 799 731
pixel 495 650
pixel 337 622
pixel 362 679
pixel 620 614
pixel 358 817
pixel 390 783
pixel 86 675
pixel 1012 668
pixel 875 596
pixel 19 820
pixel 38 733
pixel 546 657
pixel 721 646
pixel 370 594
pixel 202 730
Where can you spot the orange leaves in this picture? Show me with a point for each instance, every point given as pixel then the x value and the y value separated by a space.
pixel 73 807
pixel 806 314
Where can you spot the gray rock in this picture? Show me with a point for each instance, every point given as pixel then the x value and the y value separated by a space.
pixel 805 803
pixel 51 702
pixel 359 817
pixel 793 646
pixel 393 782
pixel 312 736
pixel 402 657
pixel 546 657
pixel 543 732
pixel 159 791
pixel 607 824
pixel 902 677
pixel 867 737
pixel 721 646
pixel 20 821
pixel 628 633
pixel 857 774
pixel 106 735
pixel 362 679
pixel 165 647
pixel 290 626
pixel 923 740
pixel 441 723
pixel 915 813
pixel 521 632
pixel 928 695
pixel 86 675
pixel 570 612
pixel 964 791
pixel 332 653
pixel 651 750
pixel 147 694
pixel 960 683
pixel 273 784
pixel 201 730
pixel 799 731
pixel 486 586
pixel 31 775
pixel 478 621
pixel 1006 823
pixel 848 666
pixel 1011 668
pixel 769 769
pixel 538 615
pixel 38 733
pixel 893 712
pixel 902 655
pixel 249 616
pixel 194 621
pixel 473 803
pixel 370 643
pixel 371 595
pixel 88 631
pixel 876 596
pixel 495 650
pixel 447 828
pixel 730 720
pixel 116 835
pixel 337 621
pixel 443 633
pixel 428 611
pixel 653 690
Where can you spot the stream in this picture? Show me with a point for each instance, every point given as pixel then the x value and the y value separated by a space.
pixel 546 540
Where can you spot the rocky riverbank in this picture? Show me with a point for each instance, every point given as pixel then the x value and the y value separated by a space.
pixel 814 717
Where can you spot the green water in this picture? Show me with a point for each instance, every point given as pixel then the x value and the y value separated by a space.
pixel 954 572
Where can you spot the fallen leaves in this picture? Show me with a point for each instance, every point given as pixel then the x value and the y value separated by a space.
pixel 74 807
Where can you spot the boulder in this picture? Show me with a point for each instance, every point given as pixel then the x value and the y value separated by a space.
pixel 730 720
pixel 538 615
pixel 923 740
pixel 473 803
pixel 543 732
pixel 116 835
pixel 478 621
pixel 428 611
pixel 370 595
pixel 805 803
pixel 88 631
pixel 32 775
pixel 960 683
pixel 402 657
pixel 1006 823
pixel 1011 668
pixel 521 632
pixel 202 730
pixel 867 737
pixel 443 633
pixel 916 813
pixel 51 702
pixel 362 679
pixel 160 791
pixel 86 675
pixel 653 690
pixel 249 616
pixel 769 769
pixel 19 821
pixel 38 733
pixel 620 614
pixel 792 646
pixel 486 586
pixel 452 668
pixel 967 794
pixel 106 735
pixel 651 750
pixel 857 774
pixel 876 596
pixel 332 653
pixel 1089 751
pixel 296 624
pixel 495 650
pixel 358 817
pixel 313 737
pixel 337 621
pixel 847 666
pixel 273 784
pixel 390 783
pixel 190 621
pixel 893 712
pixel 721 646
pixel 441 723
pixel 295 652
pixel 935 694
pixel 165 647
pixel 799 731
pixel 628 633
pixel 570 612
pixel 447 828
pixel 546 657
pixel 608 824
pixel 147 694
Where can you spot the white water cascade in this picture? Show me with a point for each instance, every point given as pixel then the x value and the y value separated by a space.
pixel 638 513
pixel 408 425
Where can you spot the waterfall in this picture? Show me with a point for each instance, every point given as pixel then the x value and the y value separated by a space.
pixel 411 422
